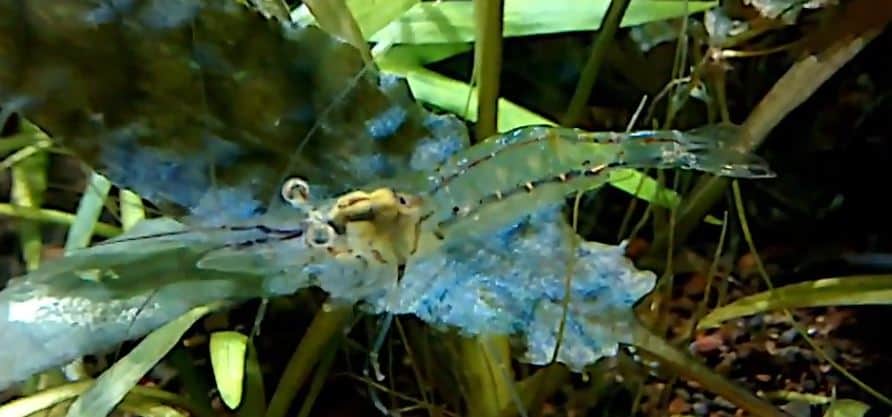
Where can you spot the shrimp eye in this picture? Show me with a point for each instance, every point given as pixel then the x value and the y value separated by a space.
pixel 405 200
pixel 295 191
pixel 320 235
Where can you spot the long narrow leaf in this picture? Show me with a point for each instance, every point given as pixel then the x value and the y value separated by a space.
pixel 132 209
pixel 854 290
pixel 117 381
pixel 54 216
pixel 31 404
pixel 88 211
pixel 28 187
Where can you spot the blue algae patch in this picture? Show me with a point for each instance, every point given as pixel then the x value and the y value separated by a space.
pixel 163 175
pixel 169 14
pixel 386 124
pixel 448 136
pixel 221 206
pixel 372 166
pixel 108 11
pixel 15 104
pixel 513 282
pixel 389 81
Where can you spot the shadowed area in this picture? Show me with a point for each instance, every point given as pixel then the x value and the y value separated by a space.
pixel 174 98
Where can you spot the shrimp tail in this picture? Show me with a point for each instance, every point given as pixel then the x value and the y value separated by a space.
pixel 711 149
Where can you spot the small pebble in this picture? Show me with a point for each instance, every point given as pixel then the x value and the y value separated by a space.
pixel 679 406
pixel 723 403
pixel 788 336
pixel 755 322
pixel 707 343
pixel 807 355
pixel 788 355
pixel 701 408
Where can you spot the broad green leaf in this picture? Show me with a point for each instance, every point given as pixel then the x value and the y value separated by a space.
pixel 334 17
pixel 846 408
pixel 419 55
pixel 852 290
pixel 117 381
pixel 371 15
pixel 132 209
pixel 644 187
pixel 458 97
pixel 453 21
pixel 228 362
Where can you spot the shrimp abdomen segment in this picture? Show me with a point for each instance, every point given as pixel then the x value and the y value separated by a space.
pixel 524 169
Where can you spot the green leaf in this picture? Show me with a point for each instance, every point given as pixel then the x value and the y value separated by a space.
pixel 29 184
pixel 149 408
pixel 371 15
pixel 453 21
pixel 29 141
pixel 644 187
pixel 132 209
pixel 329 323
pixel 710 219
pixel 255 392
pixel 419 55
pixel 54 216
pixel 43 400
pixel 88 211
pixel 846 408
pixel 18 142
pixel 228 362
pixel 851 290
pixel 117 381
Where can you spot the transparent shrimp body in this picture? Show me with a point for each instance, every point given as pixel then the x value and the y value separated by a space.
pixel 496 182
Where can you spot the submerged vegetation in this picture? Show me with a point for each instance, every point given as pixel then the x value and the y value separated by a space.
pixel 768 286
